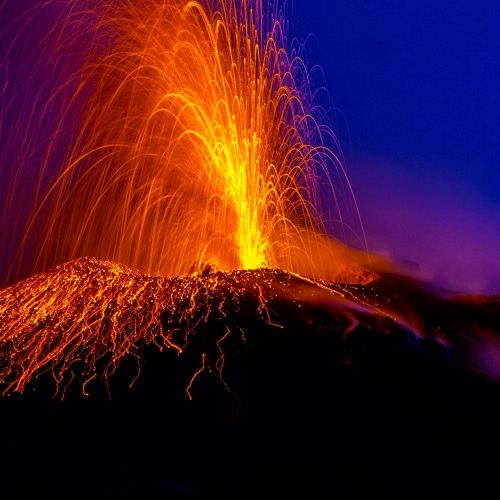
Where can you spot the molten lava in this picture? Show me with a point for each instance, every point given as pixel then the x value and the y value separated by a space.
pixel 86 316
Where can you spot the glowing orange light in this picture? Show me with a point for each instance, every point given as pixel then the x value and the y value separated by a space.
pixel 198 144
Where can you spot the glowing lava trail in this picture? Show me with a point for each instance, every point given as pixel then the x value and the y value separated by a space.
pixel 85 316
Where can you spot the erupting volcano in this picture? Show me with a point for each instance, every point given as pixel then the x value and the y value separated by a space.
pixel 179 241
pixel 186 134
pixel 169 172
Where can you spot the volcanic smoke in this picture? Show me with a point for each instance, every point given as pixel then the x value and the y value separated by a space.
pixel 166 167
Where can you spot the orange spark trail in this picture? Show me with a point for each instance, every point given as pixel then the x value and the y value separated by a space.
pixel 198 142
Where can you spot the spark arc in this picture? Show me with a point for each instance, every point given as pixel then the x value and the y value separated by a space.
pixel 185 133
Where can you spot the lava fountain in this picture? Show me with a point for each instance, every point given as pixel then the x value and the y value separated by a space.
pixel 168 157
pixel 190 136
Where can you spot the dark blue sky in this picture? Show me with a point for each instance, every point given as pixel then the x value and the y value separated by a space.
pixel 416 87
pixel 414 79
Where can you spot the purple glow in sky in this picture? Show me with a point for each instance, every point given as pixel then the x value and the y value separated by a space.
pixel 447 231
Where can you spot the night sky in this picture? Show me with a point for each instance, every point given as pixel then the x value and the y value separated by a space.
pixel 415 98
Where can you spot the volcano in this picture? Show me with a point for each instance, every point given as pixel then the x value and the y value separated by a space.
pixel 192 381
pixel 188 305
